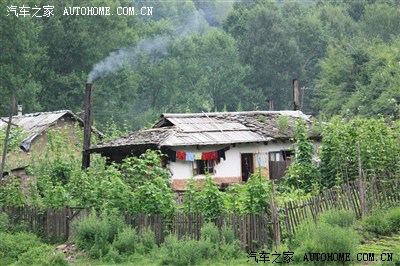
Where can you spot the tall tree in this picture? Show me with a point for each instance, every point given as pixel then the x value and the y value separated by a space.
pixel 21 60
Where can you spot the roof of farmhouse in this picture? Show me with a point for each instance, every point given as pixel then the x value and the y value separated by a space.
pixel 212 129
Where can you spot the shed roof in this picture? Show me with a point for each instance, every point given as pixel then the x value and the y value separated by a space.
pixel 211 129
pixel 35 123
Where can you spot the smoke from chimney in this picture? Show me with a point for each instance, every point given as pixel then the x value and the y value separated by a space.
pixel 196 21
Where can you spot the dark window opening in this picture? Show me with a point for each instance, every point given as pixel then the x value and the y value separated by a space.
pixel 201 167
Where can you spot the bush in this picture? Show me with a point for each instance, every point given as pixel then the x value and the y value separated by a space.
pixel 95 234
pixel 41 255
pixel 181 252
pixel 3 222
pixel 210 232
pixel 147 239
pixel 113 256
pixel 342 218
pixel 323 238
pixel 126 241
pixel 376 223
pixel 393 219
pixel 13 245
pixel 213 244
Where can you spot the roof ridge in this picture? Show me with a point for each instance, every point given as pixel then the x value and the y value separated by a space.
pixel 212 114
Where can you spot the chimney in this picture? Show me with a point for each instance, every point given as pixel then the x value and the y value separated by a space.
pixel 19 108
pixel 296 104
pixel 271 104
pixel 87 131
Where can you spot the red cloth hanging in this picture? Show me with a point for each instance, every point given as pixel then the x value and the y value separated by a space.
pixel 181 155
pixel 209 156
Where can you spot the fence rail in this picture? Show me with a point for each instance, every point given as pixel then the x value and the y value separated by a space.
pixel 345 197
pixel 252 230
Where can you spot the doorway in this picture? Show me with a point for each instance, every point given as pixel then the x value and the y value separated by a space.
pixel 247 166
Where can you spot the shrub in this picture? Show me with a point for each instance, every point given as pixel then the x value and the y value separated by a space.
pixel 210 232
pixel 213 244
pixel 95 234
pixel 323 238
pixel 181 252
pixel 41 255
pixel 13 245
pixel 393 219
pixel 126 241
pixel 147 239
pixel 3 222
pixel 113 256
pixel 376 223
pixel 342 218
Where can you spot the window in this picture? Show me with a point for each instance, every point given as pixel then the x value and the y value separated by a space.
pixel 278 163
pixel 201 167
pixel 279 156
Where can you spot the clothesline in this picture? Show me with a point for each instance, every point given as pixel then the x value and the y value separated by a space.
pixel 192 156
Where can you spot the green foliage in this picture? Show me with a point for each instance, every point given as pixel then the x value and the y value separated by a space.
pixel 213 244
pixel 339 162
pixel 323 237
pixel 393 218
pixel 95 234
pixel 302 173
pixel 126 241
pixel 147 241
pixel 13 245
pixel 149 181
pixel 382 223
pixel 341 218
pixel 42 254
pixel 208 199
pixel 283 123
pixel 11 193
pixel 257 195
pixel 14 139
pixel 3 222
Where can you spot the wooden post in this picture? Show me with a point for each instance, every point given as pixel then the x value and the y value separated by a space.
pixel 296 105
pixel 277 233
pixel 361 183
pixel 87 131
pixel 3 158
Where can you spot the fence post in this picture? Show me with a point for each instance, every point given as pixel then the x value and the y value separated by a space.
pixel 361 184
pixel 277 233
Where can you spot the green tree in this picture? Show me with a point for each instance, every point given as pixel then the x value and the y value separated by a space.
pixel 266 45
pixel 302 173
pixel 74 44
pixel 22 59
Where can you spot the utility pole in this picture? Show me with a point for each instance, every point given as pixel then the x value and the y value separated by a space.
pixel 87 131
pixel 3 159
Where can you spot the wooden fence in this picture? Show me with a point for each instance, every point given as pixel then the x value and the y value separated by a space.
pixel 347 197
pixel 253 230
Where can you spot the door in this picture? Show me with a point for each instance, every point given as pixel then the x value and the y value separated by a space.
pixel 247 166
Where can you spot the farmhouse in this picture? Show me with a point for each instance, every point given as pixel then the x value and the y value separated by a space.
pixel 229 146
pixel 34 128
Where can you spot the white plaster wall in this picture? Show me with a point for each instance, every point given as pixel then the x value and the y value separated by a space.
pixel 229 168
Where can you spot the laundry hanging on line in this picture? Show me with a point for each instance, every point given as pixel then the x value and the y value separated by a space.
pixel 192 156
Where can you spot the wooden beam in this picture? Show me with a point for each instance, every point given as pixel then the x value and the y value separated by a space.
pixel 3 159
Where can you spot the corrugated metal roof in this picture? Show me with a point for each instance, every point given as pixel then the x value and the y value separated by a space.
pixel 211 138
pixel 36 123
pixel 213 128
